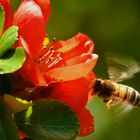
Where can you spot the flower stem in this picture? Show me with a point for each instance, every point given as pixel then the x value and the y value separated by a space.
pixel 7 122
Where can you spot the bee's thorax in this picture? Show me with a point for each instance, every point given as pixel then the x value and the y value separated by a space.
pixel 103 88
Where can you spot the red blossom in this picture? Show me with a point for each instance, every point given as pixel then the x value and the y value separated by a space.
pixel 64 68
pixel 55 64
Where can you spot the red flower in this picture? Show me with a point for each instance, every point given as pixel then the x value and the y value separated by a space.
pixel 64 67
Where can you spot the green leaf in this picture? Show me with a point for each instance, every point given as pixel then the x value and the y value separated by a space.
pixel 1 19
pixel 8 39
pixel 48 120
pixel 7 124
pixel 12 60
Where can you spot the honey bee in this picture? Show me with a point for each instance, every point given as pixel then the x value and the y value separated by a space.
pixel 110 91
pixel 113 93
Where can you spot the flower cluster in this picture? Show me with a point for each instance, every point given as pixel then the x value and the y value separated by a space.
pixel 60 70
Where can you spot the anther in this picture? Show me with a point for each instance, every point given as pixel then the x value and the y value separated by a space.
pixel 49 56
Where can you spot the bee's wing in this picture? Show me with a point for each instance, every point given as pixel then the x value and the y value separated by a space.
pixel 120 67
pixel 122 110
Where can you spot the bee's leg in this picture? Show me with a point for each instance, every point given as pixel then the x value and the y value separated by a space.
pixel 112 102
pixel 109 103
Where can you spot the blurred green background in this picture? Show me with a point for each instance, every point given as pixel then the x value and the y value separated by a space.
pixel 113 26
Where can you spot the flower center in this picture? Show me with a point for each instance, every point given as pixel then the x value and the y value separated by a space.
pixel 49 56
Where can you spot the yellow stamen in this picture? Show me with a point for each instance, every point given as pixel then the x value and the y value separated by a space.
pixel 46 42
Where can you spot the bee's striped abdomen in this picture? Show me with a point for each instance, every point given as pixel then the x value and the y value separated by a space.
pixel 128 94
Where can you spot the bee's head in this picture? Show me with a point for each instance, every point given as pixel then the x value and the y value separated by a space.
pixel 97 86
pixel 103 88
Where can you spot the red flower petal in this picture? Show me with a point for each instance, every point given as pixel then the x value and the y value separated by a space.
pixel 74 46
pixel 30 71
pixel 76 67
pixel 31 25
pixel 91 77
pixel 73 93
pixel 8 13
pixel 86 122
pixel 45 7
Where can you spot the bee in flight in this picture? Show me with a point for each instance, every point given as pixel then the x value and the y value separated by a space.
pixel 113 93
pixel 110 91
